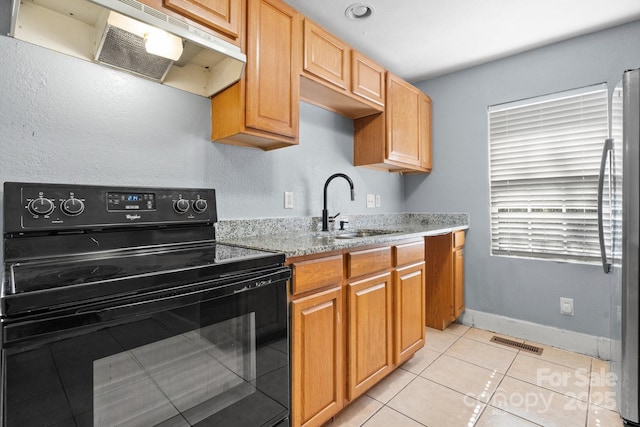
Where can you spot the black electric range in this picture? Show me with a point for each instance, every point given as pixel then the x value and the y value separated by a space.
pixel 83 260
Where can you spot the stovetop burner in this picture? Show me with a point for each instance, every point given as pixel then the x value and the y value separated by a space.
pixel 72 276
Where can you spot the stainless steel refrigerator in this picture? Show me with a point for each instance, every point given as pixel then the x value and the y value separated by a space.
pixel 619 224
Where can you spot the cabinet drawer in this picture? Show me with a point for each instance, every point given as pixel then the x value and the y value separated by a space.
pixel 458 239
pixel 409 253
pixel 368 261
pixel 317 273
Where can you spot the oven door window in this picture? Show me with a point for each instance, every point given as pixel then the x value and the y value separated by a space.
pixel 218 362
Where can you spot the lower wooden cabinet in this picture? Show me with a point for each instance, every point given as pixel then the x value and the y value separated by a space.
pixel 317 345
pixel 369 319
pixel 409 298
pixel 444 258
pixel 355 317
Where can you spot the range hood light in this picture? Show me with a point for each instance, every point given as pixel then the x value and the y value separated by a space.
pixel 160 43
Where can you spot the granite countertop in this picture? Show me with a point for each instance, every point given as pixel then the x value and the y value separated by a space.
pixel 297 236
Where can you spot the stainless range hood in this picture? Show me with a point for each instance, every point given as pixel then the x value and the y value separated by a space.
pixel 118 33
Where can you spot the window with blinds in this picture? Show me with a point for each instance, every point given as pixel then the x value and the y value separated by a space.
pixel 544 162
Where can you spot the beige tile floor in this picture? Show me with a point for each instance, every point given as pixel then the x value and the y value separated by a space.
pixel 460 379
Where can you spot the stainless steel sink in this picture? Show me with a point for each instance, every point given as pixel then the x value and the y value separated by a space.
pixel 364 233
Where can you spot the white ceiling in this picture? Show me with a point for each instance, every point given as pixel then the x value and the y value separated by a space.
pixel 420 39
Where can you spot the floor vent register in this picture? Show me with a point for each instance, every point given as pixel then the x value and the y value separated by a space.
pixel 519 345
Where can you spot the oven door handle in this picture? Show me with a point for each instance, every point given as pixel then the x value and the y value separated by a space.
pixel 168 300
pixel 50 328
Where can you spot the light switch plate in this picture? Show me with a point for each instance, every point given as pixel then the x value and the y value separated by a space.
pixel 377 200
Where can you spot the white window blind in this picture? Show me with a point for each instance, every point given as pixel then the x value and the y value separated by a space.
pixel 544 156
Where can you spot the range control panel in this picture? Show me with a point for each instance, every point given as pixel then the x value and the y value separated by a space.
pixel 38 206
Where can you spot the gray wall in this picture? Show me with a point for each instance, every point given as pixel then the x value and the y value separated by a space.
pixel 522 289
pixel 66 120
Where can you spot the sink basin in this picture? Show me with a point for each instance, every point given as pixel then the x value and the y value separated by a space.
pixel 364 233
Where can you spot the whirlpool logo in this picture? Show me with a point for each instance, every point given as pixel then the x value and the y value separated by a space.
pixel 132 217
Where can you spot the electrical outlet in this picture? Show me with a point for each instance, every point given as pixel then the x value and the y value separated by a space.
pixel 371 200
pixel 288 199
pixel 566 306
pixel 377 200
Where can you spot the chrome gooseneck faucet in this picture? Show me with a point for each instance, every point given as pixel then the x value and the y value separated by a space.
pixel 325 212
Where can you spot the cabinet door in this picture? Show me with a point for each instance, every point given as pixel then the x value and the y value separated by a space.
pixel 222 15
pixel 325 56
pixel 369 313
pixel 409 297
pixel 272 74
pixel 402 121
pixel 458 283
pixel 317 382
pixel 367 78
pixel 425 132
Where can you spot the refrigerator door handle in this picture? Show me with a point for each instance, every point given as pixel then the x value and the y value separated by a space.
pixel 606 149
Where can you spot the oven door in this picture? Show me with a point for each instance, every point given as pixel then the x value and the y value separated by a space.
pixel 208 354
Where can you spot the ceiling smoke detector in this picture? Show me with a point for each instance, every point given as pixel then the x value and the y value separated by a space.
pixel 359 11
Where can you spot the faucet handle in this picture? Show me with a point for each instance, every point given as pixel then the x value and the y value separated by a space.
pixel 333 218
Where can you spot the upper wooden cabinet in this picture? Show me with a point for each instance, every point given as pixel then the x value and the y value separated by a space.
pixel 224 16
pixel 338 78
pixel 402 116
pixel 398 140
pixel 424 133
pixel 325 56
pixel 262 109
pixel 367 78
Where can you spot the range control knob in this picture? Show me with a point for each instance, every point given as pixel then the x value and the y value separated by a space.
pixel 72 207
pixel 181 206
pixel 40 206
pixel 200 205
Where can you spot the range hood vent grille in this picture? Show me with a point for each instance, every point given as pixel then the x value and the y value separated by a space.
pixel 124 50
pixel 158 14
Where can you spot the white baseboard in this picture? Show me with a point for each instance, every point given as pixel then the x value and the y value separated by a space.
pixel 590 345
